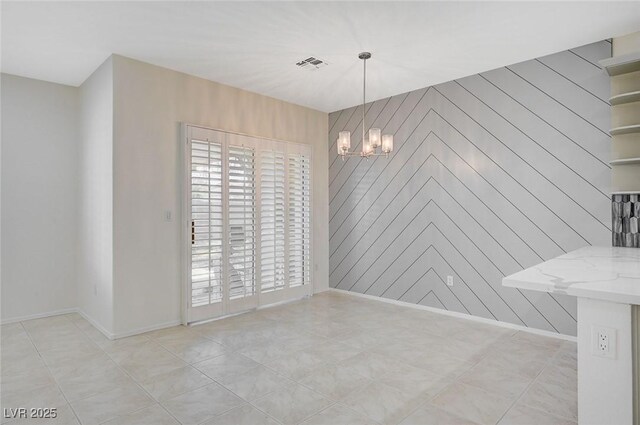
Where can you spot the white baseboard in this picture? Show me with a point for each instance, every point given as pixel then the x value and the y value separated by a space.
pixel 169 324
pixel 460 315
pixel 58 313
pixel 132 332
pixel 38 316
pixel 144 329
pixel 95 324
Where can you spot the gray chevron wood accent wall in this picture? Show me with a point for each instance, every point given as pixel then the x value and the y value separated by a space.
pixel 490 174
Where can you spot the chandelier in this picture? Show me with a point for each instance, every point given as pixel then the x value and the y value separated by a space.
pixel 375 140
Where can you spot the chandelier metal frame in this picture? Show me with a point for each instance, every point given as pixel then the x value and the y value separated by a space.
pixel 375 140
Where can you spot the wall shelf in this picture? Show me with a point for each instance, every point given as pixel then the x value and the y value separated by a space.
pixel 625 161
pixel 622 64
pixel 623 98
pixel 627 129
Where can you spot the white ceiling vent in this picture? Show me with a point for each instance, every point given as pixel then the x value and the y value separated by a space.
pixel 312 63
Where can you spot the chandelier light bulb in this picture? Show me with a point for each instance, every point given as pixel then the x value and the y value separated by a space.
pixel 366 148
pixel 374 137
pixel 387 143
pixel 344 142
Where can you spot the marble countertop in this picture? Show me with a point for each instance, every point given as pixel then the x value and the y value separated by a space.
pixel 604 273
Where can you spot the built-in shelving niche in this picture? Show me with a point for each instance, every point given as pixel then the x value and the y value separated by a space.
pixel 625 205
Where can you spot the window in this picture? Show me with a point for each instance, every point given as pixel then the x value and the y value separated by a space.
pixel 249 212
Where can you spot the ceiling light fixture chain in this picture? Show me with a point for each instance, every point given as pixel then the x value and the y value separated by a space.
pixel 375 139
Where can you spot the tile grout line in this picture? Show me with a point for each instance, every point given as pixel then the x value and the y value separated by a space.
pixel 126 374
pixel 49 370
pixel 290 332
pixel 135 381
pixel 219 383
pixel 137 384
pixel 547 363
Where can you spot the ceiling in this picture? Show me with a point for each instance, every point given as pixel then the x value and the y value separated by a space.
pixel 255 46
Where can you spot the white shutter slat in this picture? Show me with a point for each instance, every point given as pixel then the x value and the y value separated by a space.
pixel 272 217
pixel 241 215
pixel 299 210
pixel 206 210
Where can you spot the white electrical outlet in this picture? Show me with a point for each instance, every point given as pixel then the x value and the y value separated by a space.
pixel 450 280
pixel 603 341
pixel 168 216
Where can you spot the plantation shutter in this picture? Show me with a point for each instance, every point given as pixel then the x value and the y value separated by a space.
pixel 248 229
pixel 241 221
pixel 272 220
pixel 206 223
pixel 299 219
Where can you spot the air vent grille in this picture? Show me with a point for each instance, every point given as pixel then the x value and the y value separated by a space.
pixel 312 63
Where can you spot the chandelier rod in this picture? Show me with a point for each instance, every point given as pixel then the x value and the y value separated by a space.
pixel 364 96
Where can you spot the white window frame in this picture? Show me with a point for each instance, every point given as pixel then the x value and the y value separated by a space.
pixel 261 144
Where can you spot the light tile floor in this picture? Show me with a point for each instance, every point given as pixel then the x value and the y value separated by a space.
pixel 333 359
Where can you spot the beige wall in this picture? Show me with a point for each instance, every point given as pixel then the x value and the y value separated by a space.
pixel 625 177
pixel 626 44
pixel 95 199
pixel 39 192
pixel 150 102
